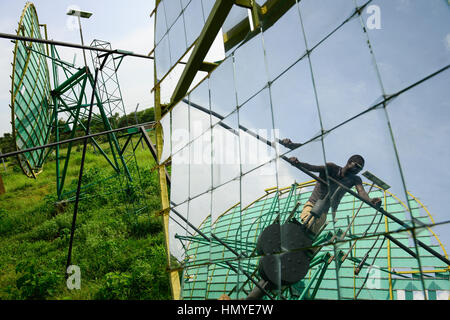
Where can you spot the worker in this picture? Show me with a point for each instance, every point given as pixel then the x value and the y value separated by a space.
pixel 324 196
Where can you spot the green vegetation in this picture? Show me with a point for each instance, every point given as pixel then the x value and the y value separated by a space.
pixel 118 244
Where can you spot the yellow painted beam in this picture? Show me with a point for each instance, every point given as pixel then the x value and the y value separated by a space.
pixel 164 194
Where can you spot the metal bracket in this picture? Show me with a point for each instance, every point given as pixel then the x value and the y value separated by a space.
pixel 162 212
pixel 244 3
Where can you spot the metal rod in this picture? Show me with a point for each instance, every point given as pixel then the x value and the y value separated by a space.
pixel 82 42
pixel 54 144
pixel 3 160
pixel 72 45
pixel 152 149
pixel 354 217
pixel 83 157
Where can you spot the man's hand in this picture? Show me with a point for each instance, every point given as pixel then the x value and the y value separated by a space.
pixel 289 144
pixel 293 160
pixel 376 202
pixel 286 141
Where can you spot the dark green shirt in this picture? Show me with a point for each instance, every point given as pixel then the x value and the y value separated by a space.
pixel 321 189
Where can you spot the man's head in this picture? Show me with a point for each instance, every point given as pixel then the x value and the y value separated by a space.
pixel 355 164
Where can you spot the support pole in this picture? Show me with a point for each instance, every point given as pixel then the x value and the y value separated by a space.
pixel 80 176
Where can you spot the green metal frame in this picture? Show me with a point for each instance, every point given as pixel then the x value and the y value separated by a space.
pixel 82 78
pixel 206 276
pixel 37 110
pixel 30 94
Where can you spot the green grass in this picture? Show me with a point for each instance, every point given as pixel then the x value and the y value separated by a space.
pixel 120 253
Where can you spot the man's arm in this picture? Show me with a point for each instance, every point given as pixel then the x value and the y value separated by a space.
pixel 296 163
pixel 363 194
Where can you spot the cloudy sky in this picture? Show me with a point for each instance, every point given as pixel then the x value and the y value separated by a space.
pixel 125 26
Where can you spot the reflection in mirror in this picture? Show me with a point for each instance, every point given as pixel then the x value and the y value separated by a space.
pixel 255 182
pixel 284 43
pixel 256 131
pixel 199 111
pixel 224 198
pixel 199 120
pixel 199 210
pixel 223 96
pixel 169 83
pixel 200 95
pixel 194 276
pixel 250 67
pixel 177 38
pixel 184 3
pixel 236 15
pixel 179 186
pixel 200 164
pixel 180 126
pixel 162 57
pixel 193 17
pixel 320 17
pixel 368 136
pixel 225 141
pixel 294 105
pixel 199 77
pixel 310 153
pixel 173 10
pixel 199 216
pixel 406 37
pixel 178 227
pixel 207 6
pixel 161 27
pixel 419 119
pixel 222 277
pixel 346 83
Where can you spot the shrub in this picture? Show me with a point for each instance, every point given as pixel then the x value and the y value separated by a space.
pixel 117 286
pixel 141 226
pixel 149 279
pixel 45 231
pixel 34 283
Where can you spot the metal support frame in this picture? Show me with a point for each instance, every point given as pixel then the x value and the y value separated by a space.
pixel 80 177
pixel 215 20
pixel 81 77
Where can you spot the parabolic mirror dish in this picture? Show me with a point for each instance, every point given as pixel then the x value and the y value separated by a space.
pixel 30 92
pixel 313 82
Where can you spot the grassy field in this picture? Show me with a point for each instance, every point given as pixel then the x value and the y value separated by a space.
pixel 118 248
